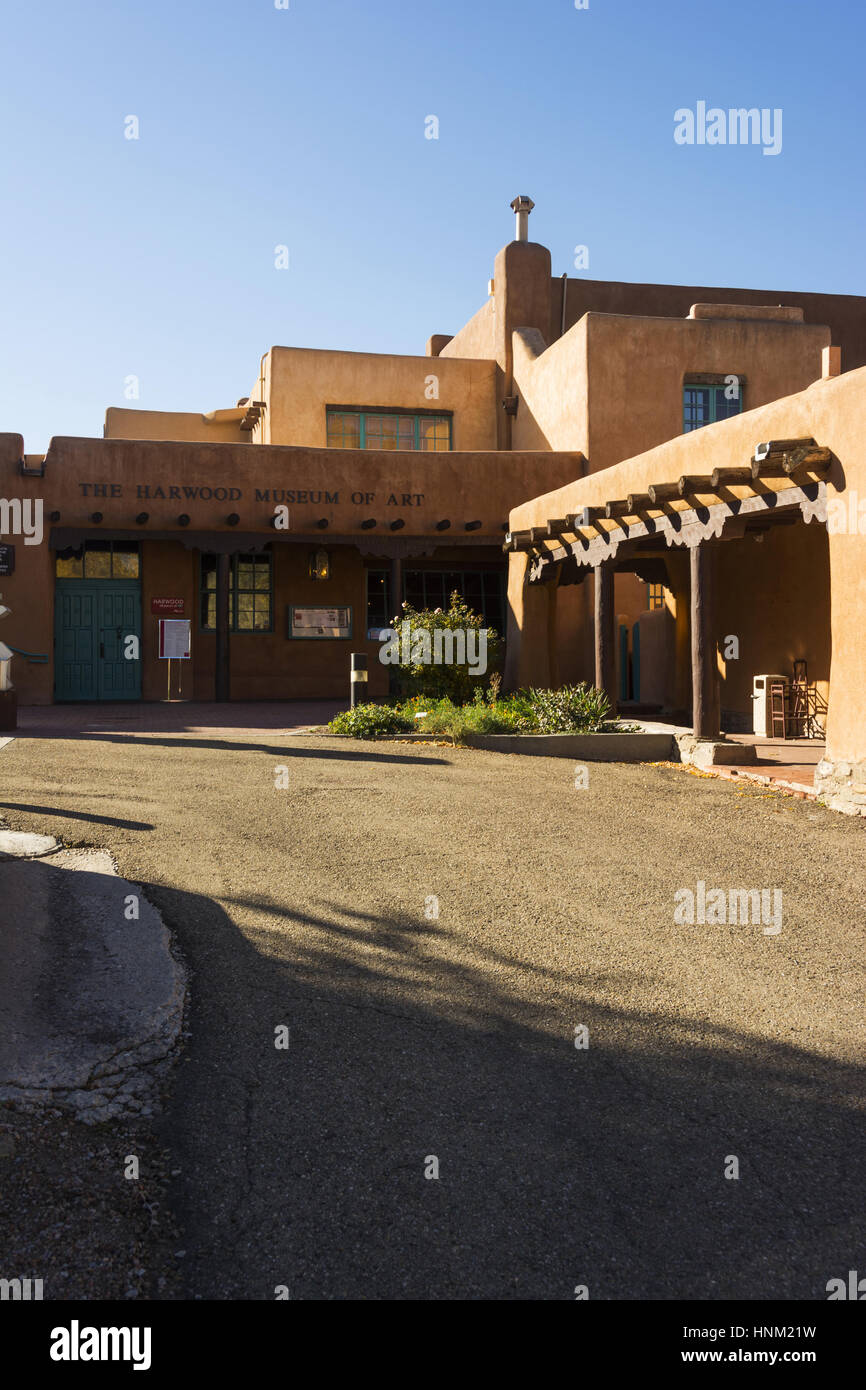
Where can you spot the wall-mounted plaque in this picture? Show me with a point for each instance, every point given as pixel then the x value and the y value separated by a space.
pixel 165 607
pixel 320 622
pixel 7 559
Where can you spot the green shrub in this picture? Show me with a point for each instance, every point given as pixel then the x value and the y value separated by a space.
pixel 579 709
pixel 572 709
pixel 366 721
pixel 449 680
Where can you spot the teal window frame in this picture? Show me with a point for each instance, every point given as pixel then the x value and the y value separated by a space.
pixel 334 412
pixel 205 590
pixel 715 394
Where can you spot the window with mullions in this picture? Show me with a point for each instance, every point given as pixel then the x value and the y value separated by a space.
pixel 704 405
pixel 98 560
pixel 251 597
pixel 655 595
pixel 379 429
pixel 482 590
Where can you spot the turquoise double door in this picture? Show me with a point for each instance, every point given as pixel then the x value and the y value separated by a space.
pixel 92 620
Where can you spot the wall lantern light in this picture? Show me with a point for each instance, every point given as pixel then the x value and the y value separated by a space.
pixel 320 565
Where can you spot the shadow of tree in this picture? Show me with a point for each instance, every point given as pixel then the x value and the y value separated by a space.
pixel 557 1166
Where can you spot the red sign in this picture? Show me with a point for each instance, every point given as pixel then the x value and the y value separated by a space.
pixel 166 605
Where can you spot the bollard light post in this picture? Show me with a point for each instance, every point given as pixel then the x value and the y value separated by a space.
pixel 358 680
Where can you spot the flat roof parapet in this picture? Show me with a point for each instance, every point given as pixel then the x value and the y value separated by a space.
pixel 771 313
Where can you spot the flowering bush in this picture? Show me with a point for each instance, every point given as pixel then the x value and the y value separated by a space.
pixel 415 648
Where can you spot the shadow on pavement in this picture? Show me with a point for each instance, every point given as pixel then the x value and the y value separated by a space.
pixel 76 815
pixel 557 1166
pixel 283 750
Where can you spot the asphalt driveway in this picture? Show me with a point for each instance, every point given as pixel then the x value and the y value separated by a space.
pixel 432 925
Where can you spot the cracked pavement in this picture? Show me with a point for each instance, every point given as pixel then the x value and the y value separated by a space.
pixel 414 1036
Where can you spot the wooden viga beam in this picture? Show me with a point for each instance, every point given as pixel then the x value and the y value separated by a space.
pixel 781 465
pixel 558 526
pixel 663 492
pixel 637 502
pixel 731 477
pixel 619 507
pixel 587 516
pixel 517 540
pixel 780 446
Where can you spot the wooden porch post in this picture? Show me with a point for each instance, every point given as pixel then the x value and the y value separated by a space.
pixel 706 717
pixel 605 632
pixel 222 683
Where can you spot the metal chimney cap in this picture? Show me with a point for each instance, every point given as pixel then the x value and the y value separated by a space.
pixel 522 203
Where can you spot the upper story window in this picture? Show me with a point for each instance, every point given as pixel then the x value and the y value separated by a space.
pixel 705 404
pixel 389 429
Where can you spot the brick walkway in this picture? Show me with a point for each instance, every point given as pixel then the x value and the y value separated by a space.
pixel 68 721
pixel 787 763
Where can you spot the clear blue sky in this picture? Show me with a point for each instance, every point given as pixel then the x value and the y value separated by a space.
pixel 305 127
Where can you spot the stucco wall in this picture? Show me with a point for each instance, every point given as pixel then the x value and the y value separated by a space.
pixel 121 423
pixel 122 478
pixel 304 382
pixel 637 367
pixel 551 385
pixel 845 313
pixel 477 337
pixel 834 413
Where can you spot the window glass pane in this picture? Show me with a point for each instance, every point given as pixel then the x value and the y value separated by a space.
pixel 208 571
pixel 69 564
pixel 406 427
pixel 97 560
pixel 208 610
pixel 434 591
pixel 379 611
pixel 696 407
pixel 726 408
pixel 434 433
pixel 413 583
pixel 344 430
pixel 472 590
pixel 124 564
pixel 382 432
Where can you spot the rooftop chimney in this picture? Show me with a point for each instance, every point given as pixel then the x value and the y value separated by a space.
pixel 522 207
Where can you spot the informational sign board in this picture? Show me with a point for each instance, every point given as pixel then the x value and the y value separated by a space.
pixel 174 639
pixel 7 559
pixel 320 622
pixel 162 607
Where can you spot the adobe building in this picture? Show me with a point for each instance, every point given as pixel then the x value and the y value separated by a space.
pixel 289 527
